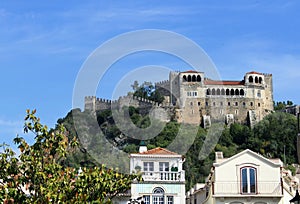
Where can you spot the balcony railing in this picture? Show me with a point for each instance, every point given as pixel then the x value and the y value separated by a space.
pixel 234 188
pixel 164 176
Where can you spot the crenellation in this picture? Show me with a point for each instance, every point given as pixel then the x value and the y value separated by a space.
pixel 190 97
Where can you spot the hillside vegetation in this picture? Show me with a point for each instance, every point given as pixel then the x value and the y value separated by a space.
pixel 273 137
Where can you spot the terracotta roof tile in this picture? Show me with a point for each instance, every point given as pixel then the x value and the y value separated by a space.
pixel 253 72
pixel 160 151
pixel 190 71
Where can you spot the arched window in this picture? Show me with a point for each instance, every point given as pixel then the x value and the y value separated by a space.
pixel 213 92
pixel 208 92
pixel 198 78
pixel 248 180
pixel 250 79
pixel 184 78
pixel 256 79
pixel 227 92
pixel 237 92
pixel 260 80
pixel 193 78
pixel 218 92
pixel 189 78
pixel 158 196
pixel 242 93
pixel 232 92
pixel 222 92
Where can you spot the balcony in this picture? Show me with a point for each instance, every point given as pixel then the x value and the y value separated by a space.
pixel 164 176
pixel 262 189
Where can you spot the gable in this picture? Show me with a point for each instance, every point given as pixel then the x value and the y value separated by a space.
pixel 247 157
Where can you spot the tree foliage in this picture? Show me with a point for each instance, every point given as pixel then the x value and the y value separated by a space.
pixel 273 137
pixel 38 176
pixel 148 91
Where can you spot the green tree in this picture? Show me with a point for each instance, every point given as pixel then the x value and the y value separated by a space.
pixel 37 176
pixel 147 90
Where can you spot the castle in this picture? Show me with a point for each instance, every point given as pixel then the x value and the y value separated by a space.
pixel 192 98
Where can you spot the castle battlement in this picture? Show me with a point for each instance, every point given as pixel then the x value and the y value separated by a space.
pixel 196 97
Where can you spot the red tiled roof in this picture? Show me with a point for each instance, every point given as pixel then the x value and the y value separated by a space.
pixel 160 151
pixel 212 82
pixel 253 72
pixel 190 71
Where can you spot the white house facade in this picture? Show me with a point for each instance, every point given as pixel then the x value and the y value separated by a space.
pixel 163 176
pixel 246 177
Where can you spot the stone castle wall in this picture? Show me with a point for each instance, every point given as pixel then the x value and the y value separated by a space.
pixel 192 98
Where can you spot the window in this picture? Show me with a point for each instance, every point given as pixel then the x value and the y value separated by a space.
pixel 170 200
pixel 248 180
pixel 158 196
pixel 163 166
pixel 228 103
pixel 192 93
pixel 146 199
pixel 199 103
pixel 250 79
pixel 236 103
pixel 148 166
pixel 258 94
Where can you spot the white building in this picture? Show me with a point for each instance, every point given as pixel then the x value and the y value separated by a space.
pixel 163 176
pixel 246 177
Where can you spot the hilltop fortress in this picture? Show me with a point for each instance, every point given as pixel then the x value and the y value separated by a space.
pixel 192 98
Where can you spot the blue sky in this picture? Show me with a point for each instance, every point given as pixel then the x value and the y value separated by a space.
pixel 43 45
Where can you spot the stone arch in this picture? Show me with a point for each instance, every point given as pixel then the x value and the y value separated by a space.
pixel 184 78
pixel 213 92
pixel 198 78
pixel 223 92
pixel 250 79
pixel 193 78
pixel 237 92
pixel 218 92
pixel 256 79
pixel 189 78
pixel 208 92
pixel 242 92
pixel 260 80
pixel 232 92
pixel 227 92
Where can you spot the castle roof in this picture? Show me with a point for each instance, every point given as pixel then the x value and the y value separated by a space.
pixel 191 71
pixel 253 72
pixel 213 82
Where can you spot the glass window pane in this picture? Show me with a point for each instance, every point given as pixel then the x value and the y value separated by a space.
pixel 252 181
pixel 244 181
pixel 170 200
pixel 146 199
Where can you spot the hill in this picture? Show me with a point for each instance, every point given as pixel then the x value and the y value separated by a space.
pixel 273 137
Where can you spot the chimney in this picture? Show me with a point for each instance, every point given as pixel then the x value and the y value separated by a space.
pixel 219 156
pixel 143 147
